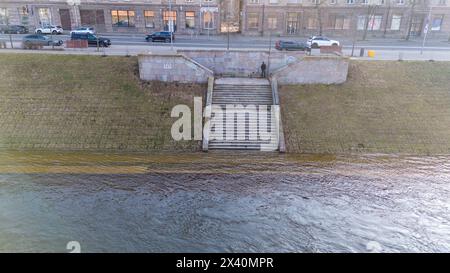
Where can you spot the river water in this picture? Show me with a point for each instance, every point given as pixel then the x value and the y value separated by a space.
pixel 218 202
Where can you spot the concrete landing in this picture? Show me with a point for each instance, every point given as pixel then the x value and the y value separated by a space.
pixel 242 81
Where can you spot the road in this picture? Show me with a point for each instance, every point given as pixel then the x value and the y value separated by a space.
pixel 258 42
pixel 134 44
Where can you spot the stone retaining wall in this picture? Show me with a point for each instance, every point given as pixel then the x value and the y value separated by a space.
pixel 195 66
pixel 314 70
pixel 242 63
pixel 172 68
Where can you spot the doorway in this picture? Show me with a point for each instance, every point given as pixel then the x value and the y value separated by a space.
pixel 66 23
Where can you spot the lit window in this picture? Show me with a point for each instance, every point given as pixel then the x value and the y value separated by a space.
pixel 122 18
pixel 170 16
pixel 45 17
pixel 149 18
pixel 208 20
pixel 190 19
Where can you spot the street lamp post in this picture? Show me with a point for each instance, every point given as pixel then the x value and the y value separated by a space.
pixel 426 30
pixel 171 26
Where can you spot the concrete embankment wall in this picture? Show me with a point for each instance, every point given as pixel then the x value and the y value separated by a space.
pixel 242 63
pixel 314 70
pixel 195 66
pixel 172 68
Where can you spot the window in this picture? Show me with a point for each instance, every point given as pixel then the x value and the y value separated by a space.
pixel 122 18
pixel 340 22
pixel 208 20
pixel 333 2
pixel 254 1
pixel 364 2
pixel 436 22
pixel 273 1
pixel 361 24
pixel 170 17
pixel 23 14
pixel 149 18
pixel 315 2
pixel 400 2
pixel 443 2
pixel 294 1
pixel 292 23
pixel 272 22
pixel 375 22
pixel 190 19
pixel 396 21
pixel 45 17
pixel 312 23
pixel 3 16
pixel 252 20
pixel 350 2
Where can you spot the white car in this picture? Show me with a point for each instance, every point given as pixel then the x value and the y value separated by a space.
pixel 49 29
pixel 318 41
pixel 89 30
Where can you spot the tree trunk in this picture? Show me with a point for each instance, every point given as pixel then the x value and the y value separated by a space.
pixel 366 23
pixel 408 35
pixel 319 18
pixel 387 20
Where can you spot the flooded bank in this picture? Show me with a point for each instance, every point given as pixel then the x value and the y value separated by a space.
pixel 223 202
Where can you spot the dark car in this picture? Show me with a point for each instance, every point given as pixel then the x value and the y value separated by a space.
pixel 13 29
pixel 290 45
pixel 38 41
pixel 91 38
pixel 162 36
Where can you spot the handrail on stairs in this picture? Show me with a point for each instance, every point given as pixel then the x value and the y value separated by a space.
pixel 207 114
pixel 276 105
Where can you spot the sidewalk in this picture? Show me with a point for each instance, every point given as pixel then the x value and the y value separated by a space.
pixel 406 55
pixel 134 50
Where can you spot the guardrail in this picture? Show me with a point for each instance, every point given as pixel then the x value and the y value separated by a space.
pixel 279 123
pixel 207 115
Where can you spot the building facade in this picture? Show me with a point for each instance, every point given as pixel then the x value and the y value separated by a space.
pixel 381 18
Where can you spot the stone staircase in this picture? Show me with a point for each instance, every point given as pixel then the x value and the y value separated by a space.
pixel 243 115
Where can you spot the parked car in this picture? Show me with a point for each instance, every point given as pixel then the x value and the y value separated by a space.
pixel 49 29
pixel 162 36
pixel 13 29
pixel 91 38
pixel 291 45
pixel 89 30
pixel 318 41
pixel 38 41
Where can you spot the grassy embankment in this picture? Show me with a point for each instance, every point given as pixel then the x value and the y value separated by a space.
pixel 384 107
pixel 50 102
pixel 86 103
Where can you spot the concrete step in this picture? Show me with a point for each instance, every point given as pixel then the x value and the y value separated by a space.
pixel 235 91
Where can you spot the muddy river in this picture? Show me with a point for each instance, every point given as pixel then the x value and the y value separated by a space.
pixel 219 202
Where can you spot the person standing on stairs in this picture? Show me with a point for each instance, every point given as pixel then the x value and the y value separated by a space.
pixel 263 70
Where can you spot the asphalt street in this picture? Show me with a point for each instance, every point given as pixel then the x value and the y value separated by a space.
pixel 238 41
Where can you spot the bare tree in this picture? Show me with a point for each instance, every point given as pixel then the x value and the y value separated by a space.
pixel 386 20
pixel 371 8
pixel 412 5
pixel 318 6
